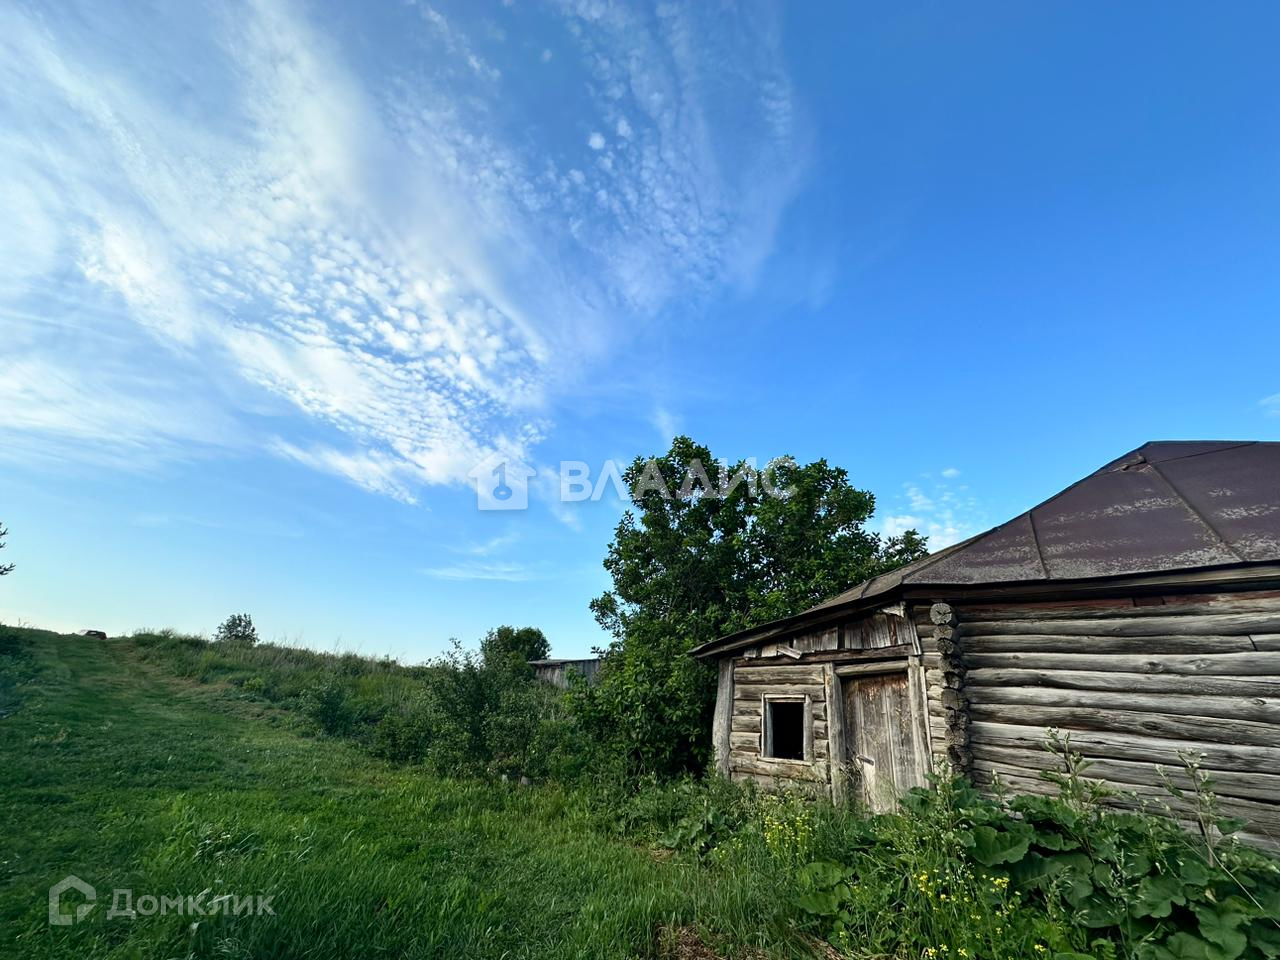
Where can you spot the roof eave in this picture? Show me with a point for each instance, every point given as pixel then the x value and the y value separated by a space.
pixel 1241 574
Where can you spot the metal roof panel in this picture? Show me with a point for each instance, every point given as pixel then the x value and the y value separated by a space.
pixel 1167 506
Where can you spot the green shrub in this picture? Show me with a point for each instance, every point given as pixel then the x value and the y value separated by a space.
pixel 237 629
pixel 1056 876
pixel 255 684
pixel 402 734
pixel 328 705
pixel 707 819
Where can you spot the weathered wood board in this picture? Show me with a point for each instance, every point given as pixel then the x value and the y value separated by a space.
pixel 1137 688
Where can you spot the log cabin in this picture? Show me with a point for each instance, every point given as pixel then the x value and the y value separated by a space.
pixel 1137 611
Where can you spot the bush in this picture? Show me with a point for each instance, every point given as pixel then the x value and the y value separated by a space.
pixel 237 629
pixel 328 705
pixel 254 684
pixel 1060 877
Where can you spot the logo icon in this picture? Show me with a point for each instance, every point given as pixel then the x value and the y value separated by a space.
pixel 59 919
pixel 502 482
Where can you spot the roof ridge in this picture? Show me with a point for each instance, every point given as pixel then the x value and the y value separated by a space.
pixel 1230 445
pixel 1155 468
pixel 1035 539
pixel 1028 514
pixel 947 552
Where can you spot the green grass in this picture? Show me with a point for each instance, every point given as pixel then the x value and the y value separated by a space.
pixel 172 767
pixel 130 777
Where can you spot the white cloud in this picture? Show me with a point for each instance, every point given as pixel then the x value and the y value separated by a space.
pixel 919 502
pixel 30 239
pixel 86 399
pixel 946 513
pixel 253 224
pixel 458 44
pixel 896 526
pixel 544 487
pixel 370 469
pixel 950 473
pixel 512 572
pixel 1272 405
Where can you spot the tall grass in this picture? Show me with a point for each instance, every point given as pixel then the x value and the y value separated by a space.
pixel 457 715
pixel 146 764
pixel 130 779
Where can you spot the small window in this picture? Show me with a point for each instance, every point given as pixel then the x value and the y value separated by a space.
pixel 784 729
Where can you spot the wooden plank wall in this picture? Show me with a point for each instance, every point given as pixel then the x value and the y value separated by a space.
pixel 722 723
pixel 751 684
pixel 1134 685
pixel 557 674
pixel 767 669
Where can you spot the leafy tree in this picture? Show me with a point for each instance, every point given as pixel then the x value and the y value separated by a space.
pixel 5 568
pixel 511 648
pixel 709 549
pixel 485 713
pixel 237 629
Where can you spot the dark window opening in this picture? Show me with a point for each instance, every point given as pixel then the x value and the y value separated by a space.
pixel 784 736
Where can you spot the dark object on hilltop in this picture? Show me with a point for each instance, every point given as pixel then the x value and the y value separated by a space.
pixel 95 634
pixel 1137 611
pixel 556 672
pixel 237 629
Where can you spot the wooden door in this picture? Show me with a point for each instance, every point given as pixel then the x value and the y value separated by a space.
pixel 885 751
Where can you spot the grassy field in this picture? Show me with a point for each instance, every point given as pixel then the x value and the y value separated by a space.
pixel 131 779
pixel 173 768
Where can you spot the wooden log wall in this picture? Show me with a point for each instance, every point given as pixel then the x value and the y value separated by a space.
pixel 805 665
pixel 1135 686
pixel 752 684
pixel 945 702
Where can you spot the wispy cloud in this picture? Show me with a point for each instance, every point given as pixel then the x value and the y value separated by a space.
pixel 665 423
pixel 369 269
pixel 487 547
pixel 1271 405
pixel 477 570
pixel 944 511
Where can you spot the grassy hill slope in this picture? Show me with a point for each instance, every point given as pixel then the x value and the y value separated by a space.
pixel 132 779
pixel 178 769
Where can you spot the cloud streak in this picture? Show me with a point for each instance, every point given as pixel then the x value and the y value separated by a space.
pixel 367 269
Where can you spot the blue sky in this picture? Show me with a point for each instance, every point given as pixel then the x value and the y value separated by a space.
pixel 277 275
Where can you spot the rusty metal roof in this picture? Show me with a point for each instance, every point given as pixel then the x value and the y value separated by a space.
pixel 1168 506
